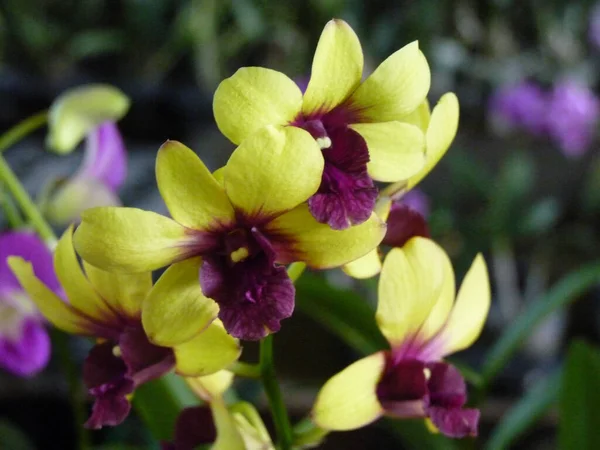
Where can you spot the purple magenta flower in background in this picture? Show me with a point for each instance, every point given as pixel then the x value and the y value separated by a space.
pixel 520 106
pixel 24 342
pixel 97 180
pixel 417 200
pixel 572 116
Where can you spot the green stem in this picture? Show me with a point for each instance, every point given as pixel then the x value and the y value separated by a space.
pixel 281 420
pixel 12 183
pixel 12 213
pixel 247 370
pixel 22 129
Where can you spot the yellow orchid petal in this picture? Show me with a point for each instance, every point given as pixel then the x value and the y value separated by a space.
pixel 176 310
pixel 124 292
pixel 348 400
pixel 78 111
pixel 251 427
pixel 420 117
pixel 336 70
pixel 130 239
pixel 383 208
pixel 193 196
pixel 252 98
pixel 364 267
pixel 440 134
pixel 59 313
pixel 219 175
pixel 79 290
pixel 443 305
pixel 228 435
pixel 396 88
pixel 211 386
pixel 273 171
pixel 297 236
pixel 409 286
pixel 470 309
pixel 206 353
pixel 396 149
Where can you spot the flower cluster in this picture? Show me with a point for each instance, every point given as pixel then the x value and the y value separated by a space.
pixel 300 187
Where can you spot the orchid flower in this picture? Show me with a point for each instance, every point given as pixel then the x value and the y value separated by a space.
pixel 360 126
pixel 109 307
pixel 235 427
pixel 423 323
pixel 244 222
pixel 24 342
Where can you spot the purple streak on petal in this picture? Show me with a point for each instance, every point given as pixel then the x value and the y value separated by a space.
pixel 105 376
pixel 105 156
pixel 30 247
pixel 417 200
pixel 455 423
pixel 144 361
pixel 403 224
pixel 194 427
pixel 347 193
pixel 572 117
pixel 253 295
pixel 25 348
pixel 521 106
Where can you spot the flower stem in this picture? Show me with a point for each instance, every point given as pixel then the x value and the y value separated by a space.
pixel 283 427
pixel 22 129
pixel 12 213
pixel 247 370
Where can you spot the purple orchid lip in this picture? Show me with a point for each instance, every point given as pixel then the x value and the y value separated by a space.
pixel 195 426
pixel 404 223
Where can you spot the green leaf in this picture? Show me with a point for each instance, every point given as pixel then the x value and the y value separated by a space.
pixel 159 402
pixel 579 399
pixel 415 434
pixel 11 438
pixel 526 412
pixel 560 295
pixel 341 311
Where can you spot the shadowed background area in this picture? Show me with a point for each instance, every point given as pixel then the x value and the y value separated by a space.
pixel 521 182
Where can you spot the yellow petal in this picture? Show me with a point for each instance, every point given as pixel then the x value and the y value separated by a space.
pixel 252 98
pixel 211 386
pixel 470 310
pixel 273 171
pixel 297 236
pixel 79 290
pixel 409 286
pixel 396 149
pixel 348 400
pixel 336 70
pixel 129 239
pixel 194 197
pixel 364 267
pixel 176 310
pixel 124 292
pixel 440 134
pixel 206 353
pixel 420 117
pixel 228 435
pixel 396 88
pixel 251 427
pixel 59 313
pixel 77 111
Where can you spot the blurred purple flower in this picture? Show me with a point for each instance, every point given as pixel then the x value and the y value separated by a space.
pixel 594 26
pixel 417 200
pixel 521 106
pixel 572 116
pixel 97 180
pixel 24 342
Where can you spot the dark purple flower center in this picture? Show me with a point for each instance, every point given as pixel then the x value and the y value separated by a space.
pixel 404 223
pixel 412 388
pixel 347 193
pixel 113 370
pixel 195 426
pixel 253 293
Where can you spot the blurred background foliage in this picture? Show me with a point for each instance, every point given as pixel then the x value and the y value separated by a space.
pixel 530 206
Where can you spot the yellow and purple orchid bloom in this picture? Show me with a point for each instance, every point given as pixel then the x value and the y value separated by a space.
pixel 235 427
pixel 403 220
pixel 364 128
pixel 24 342
pixel 90 113
pixel 244 222
pixel 109 307
pixel 423 322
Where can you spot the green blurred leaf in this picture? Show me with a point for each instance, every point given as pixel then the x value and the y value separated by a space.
pixel 540 217
pixel 579 426
pixel 159 402
pixel 341 311
pixel 526 412
pixel 96 42
pixel 416 435
pixel 567 290
pixel 11 438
